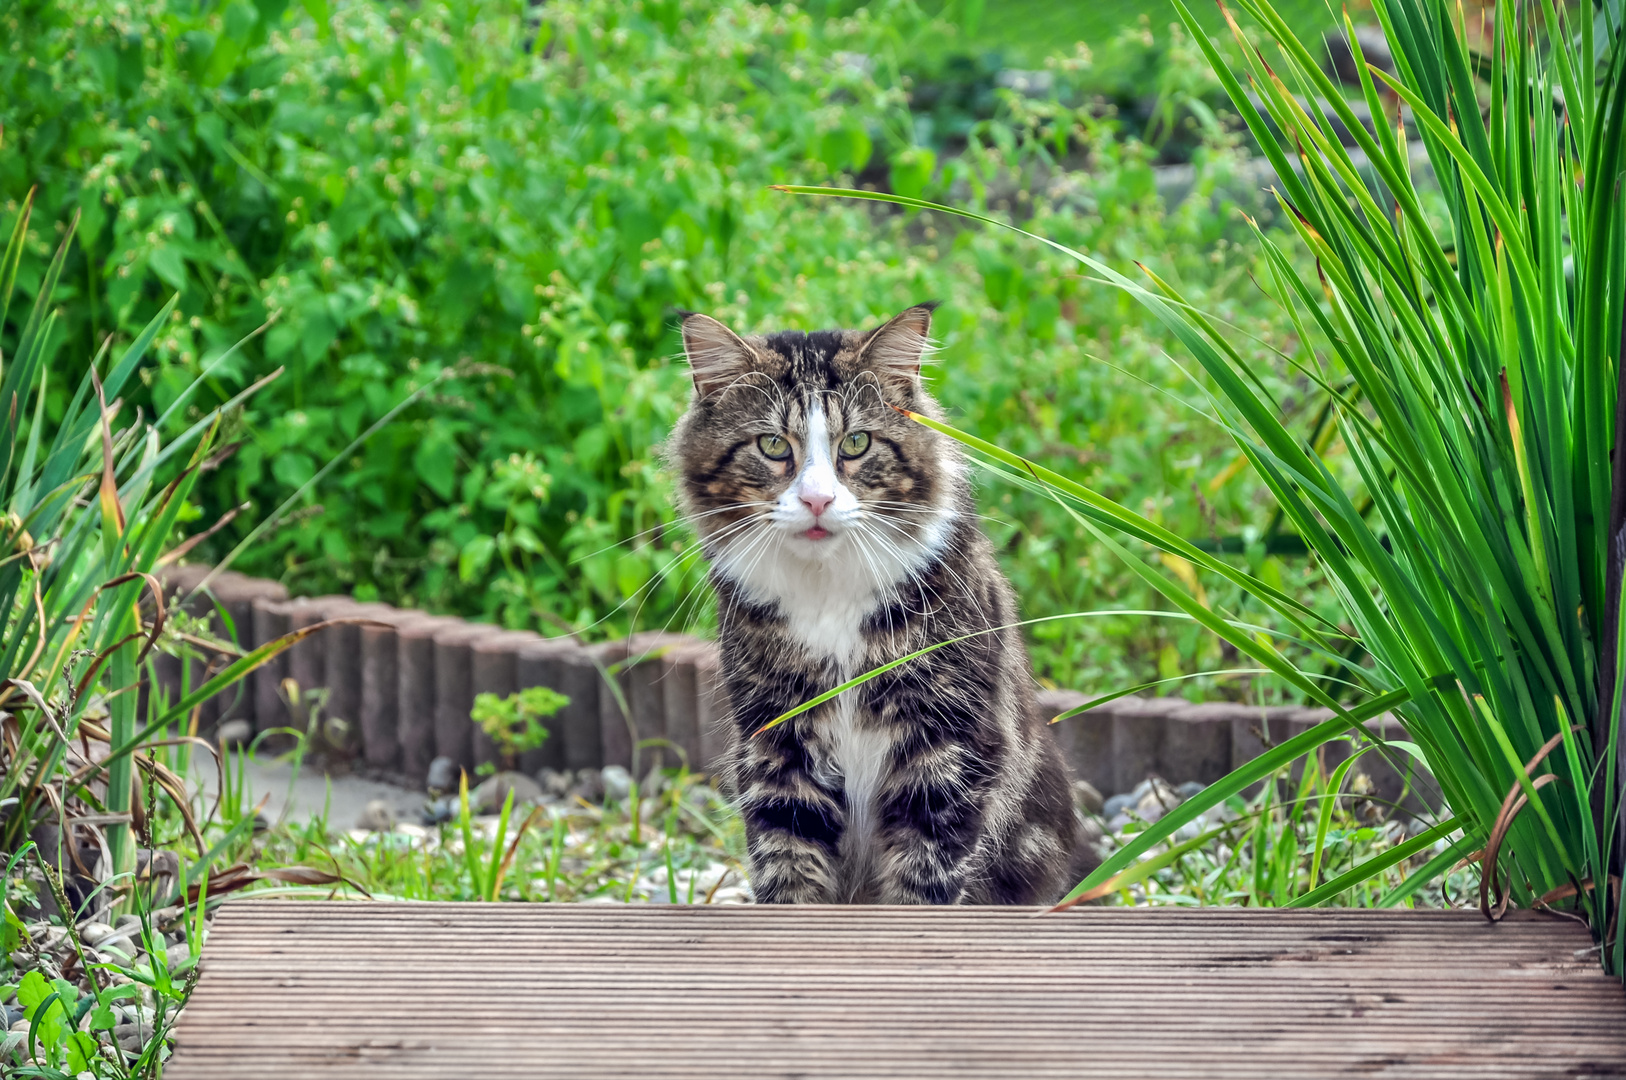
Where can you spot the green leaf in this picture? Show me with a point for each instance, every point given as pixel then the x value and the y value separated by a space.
pixel 911 170
pixel 1372 867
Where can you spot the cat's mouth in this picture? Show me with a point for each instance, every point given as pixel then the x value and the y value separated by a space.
pixel 817 532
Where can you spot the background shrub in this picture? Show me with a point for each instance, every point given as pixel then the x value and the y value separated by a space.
pixel 527 199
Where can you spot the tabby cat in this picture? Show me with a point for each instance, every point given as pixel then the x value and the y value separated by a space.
pixel 841 534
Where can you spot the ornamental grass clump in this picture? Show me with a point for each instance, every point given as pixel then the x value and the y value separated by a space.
pixel 1464 326
pixel 95 802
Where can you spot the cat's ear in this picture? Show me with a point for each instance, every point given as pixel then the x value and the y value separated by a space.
pixel 898 347
pixel 717 355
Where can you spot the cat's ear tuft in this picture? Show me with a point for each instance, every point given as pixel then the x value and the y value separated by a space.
pixel 899 346
pixel 717 355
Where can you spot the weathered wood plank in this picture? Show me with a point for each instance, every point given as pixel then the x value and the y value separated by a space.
pixel 372 990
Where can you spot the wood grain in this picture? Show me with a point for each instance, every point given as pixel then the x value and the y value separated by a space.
pixel 340 990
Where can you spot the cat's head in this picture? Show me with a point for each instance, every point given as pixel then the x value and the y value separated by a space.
pixel 793 448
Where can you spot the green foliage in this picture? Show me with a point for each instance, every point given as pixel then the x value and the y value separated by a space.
pixel 520 206
pixel 680 843
pixel 451 187
pixel 1305 826
pixel 85 525
pixel 1473 534
pixel 513 723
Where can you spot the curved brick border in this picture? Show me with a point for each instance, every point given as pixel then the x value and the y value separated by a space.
pixel 406 686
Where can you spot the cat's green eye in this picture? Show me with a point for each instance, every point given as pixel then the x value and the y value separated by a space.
pixel 855 443
pixel 773 446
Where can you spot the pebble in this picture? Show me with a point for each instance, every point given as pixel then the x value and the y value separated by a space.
pixel 178 954
pixel 488 798
pixel 617 782
pixel 13 1014
pixel 1086 797
pixel 589 785
pixel 377 816
pixel 438 810
pixel 1159 799
pixel 442 774
pixel 118 949
pixel 234 733
pixel 556 782
pixel 94 933
pixel 1118 804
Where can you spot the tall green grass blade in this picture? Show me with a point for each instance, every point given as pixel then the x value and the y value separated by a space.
pixel 1265 765
pixel 1372 867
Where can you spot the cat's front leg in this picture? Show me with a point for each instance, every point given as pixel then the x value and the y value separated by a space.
pixel 930 817
pixel 793 824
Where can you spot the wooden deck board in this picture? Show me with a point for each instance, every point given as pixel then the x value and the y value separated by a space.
pixel 343 990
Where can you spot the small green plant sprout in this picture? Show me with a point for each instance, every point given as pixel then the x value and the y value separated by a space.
pixel 512 722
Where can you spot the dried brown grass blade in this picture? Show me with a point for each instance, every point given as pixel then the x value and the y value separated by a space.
pixel 180 550
pixel 242 875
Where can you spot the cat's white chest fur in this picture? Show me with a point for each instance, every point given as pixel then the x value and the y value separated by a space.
pixel 826 590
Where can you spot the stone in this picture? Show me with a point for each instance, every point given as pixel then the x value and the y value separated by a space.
pixel 307 658
pixel 1086 797
pixel 378 715
pixel 1190 788
pixel 589 785
pixel 236 594
pixel 1118 804
pixel 438 810
pixel 1091 836
pixel 376 817
pixel 234 733
pixel 617 783
pixel 555 783
pixel 712 710
pixel 177 954
pixel 1139 729
pixel 269 621
pixel 563 664
pixel 1158 800
pixel 454 690
pixel 493 667
pixel 1197 741
pixel 1085 738
pixel 681 703
pixel 489 796
pixel 415 691
pixel 94 933
pixel 442 775
pixel 13 1013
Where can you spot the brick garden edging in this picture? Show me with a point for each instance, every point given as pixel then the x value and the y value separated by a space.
pixel 407 682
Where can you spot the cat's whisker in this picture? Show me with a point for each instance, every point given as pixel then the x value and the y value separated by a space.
pixel 863 536
pixel 642 594
pixel 682 519
pixel 924 511
pixel 919 578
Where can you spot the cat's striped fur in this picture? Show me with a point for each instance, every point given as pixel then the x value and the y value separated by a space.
pixel 933 783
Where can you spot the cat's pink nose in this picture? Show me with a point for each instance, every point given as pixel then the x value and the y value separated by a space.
pixel 816 501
